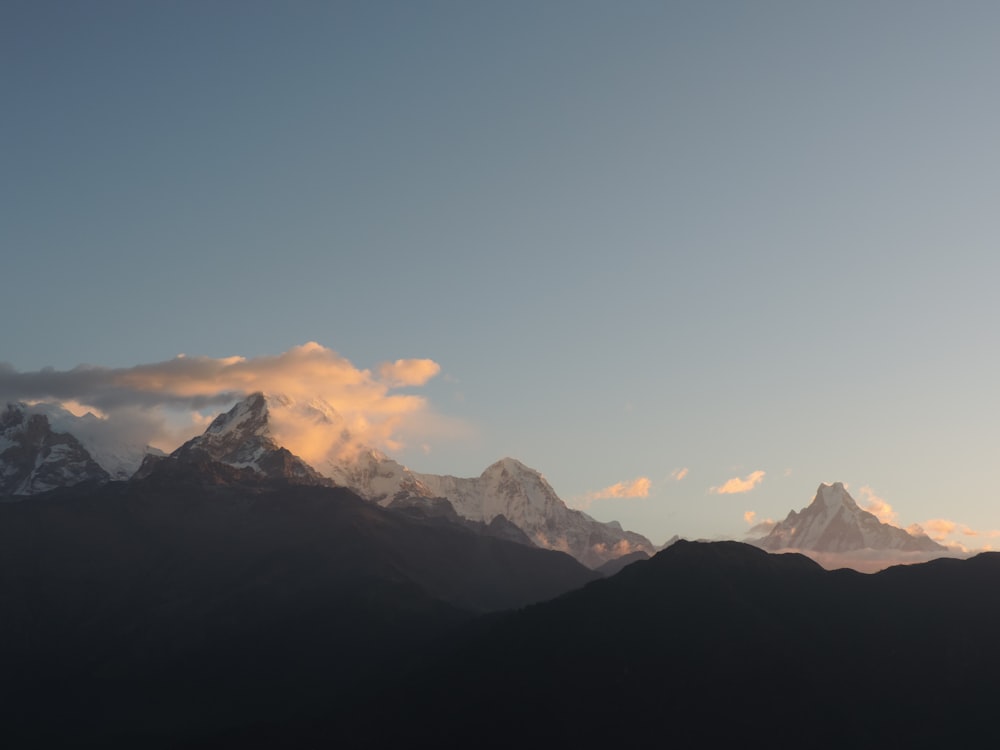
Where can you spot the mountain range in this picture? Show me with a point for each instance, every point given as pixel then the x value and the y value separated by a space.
pixel 194 608
pixel 232 595
pixel 35 456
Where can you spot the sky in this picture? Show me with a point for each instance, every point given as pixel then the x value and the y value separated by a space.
pixel 686 259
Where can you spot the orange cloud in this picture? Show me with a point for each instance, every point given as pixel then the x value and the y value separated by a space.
pixel 947 532
pixel 938 529
pixel 736 485
pixel 638 487
pixel 404 372
pixel 749 516
pixel 679 474
pixel 876 505
pixel 318 379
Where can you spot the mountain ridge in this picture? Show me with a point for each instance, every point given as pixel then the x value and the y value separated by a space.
pixel 256 436
pixel 243 436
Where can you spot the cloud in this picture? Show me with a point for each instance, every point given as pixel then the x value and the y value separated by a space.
pixel 679 474
pixel 937 529
pixel 169 399
pixel 877 506
pixel 955 536
pixel 749 516
pixel 736 485
pixel 404 372
pixel 638 487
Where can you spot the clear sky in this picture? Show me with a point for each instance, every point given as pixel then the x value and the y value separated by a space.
pixel 637 238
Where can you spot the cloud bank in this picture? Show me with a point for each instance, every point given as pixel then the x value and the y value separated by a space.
pixel 165 402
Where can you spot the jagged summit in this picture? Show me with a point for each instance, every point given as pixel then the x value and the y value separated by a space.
pixel 833 522
pixel 243 437
pixel 35 458
pixel 117 455
pixel 834 495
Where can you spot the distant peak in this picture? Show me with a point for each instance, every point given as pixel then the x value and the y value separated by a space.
pixel 831 487
pixel 508 464
pixel 833 495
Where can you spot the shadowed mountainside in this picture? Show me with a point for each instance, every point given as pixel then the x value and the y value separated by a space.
pixel 724 642
pixel 174 606
pixel 199 607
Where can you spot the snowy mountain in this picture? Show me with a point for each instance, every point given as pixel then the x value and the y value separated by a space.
pixel 507 489
pixel 306 441
pixel 44 446
pixel 35 458
pixel 118 456
pixel 253 431
pixel 243 438
pixel 833 522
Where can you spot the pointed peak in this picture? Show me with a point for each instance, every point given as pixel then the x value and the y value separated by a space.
pixel 510 465
pixel 831 487
pixel 248 415
pixel 833 495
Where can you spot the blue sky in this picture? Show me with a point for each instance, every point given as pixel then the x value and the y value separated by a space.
pixel 636 237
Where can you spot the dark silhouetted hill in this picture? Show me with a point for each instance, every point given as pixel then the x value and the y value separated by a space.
pixel 202 598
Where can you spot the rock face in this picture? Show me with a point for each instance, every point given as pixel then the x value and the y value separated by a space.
pixel 833 522
pixel 34 458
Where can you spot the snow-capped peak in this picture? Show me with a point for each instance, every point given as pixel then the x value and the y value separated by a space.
pixel 834 496
pixel 35 458
pixel 245 437
pixel 117 454
pixel 508 464
pixel 833 522
pixel 247 417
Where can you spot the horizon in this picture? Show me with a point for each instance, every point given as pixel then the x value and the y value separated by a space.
pixel 686 261
pixel 320 435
